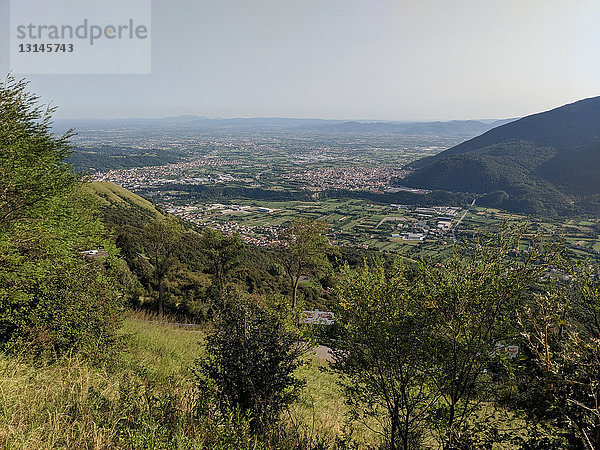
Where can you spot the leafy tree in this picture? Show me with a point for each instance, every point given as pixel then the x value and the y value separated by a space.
pixel 54 299
pixel 472 299
pixel 559 380
pixel 250 363
pixel 304 251
pixel 416 347
pixel 32 167
pixel 379 352
pixel 221 253
pixel 162 239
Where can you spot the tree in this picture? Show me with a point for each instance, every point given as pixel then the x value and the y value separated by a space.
pixel 53 298
pixel 379 352
pixel 472 300
pixel 250 362
pixel 221 253
pixel 32 166
pixel 162 239
pixel 304 251
pixel 559 380
pixel 417 347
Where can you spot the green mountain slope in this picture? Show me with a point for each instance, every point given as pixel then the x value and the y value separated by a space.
pixel 547 163
pixel 110 194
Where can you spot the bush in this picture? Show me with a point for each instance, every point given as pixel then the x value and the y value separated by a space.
pixel 250 364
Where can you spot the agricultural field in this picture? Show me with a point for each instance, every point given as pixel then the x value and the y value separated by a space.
pixel 256 183
pixel 580 235
pixel 353 222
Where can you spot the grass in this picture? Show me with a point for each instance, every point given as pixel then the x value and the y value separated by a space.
pixel 147 398
pixel 38 405
pixel 320 408
pixel 108 193
pixel 165 350
pixel 144 399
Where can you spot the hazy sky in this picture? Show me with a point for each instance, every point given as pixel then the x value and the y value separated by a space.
pixel 346 59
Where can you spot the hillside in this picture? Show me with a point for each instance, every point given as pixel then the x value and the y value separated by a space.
pixel 546 163
pixel 111 194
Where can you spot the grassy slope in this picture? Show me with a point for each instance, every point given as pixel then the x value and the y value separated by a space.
pixel 166 351
pixel 73 405
pixel 109 193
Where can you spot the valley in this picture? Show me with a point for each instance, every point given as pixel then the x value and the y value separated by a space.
pixel 255 182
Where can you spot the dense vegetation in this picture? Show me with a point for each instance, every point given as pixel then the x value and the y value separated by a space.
pixel 107 157
pixel 54 298
pixel 546 163
pixel 494 347
pixel 212 193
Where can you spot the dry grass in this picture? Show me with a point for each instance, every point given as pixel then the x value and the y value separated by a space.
pixel 50 407
pixel 144 399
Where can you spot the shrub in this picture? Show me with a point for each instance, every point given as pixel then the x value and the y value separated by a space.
pixel 250 364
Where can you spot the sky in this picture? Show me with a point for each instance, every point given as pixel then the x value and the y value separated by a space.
pixel 345 59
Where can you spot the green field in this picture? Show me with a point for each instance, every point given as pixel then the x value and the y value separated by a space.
pixel 358 222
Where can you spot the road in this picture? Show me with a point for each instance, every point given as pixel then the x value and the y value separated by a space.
pixel 460 220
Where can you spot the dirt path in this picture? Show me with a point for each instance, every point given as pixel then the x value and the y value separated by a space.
pixel 323 352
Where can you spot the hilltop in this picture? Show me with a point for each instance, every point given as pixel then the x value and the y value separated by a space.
pixel 546 163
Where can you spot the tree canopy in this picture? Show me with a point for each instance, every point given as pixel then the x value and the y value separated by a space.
pixel 57 266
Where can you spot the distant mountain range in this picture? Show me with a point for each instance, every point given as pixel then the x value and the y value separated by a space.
pixel 546 163
pixel 460 128
pixel 452 128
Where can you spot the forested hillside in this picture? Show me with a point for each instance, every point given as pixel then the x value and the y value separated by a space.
pixel 545 163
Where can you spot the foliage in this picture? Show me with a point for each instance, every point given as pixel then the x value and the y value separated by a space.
pixel 304 251
pixel 204 263
pixel 471 301
pixel 116 157
pixel 142 400
pixel 32 168
pixel 54 299
pixel 145 399
pixel 161 242
pixel 379 353
pixel 250 364
pixel 221 255
pixel 559 379
pixel 417 346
